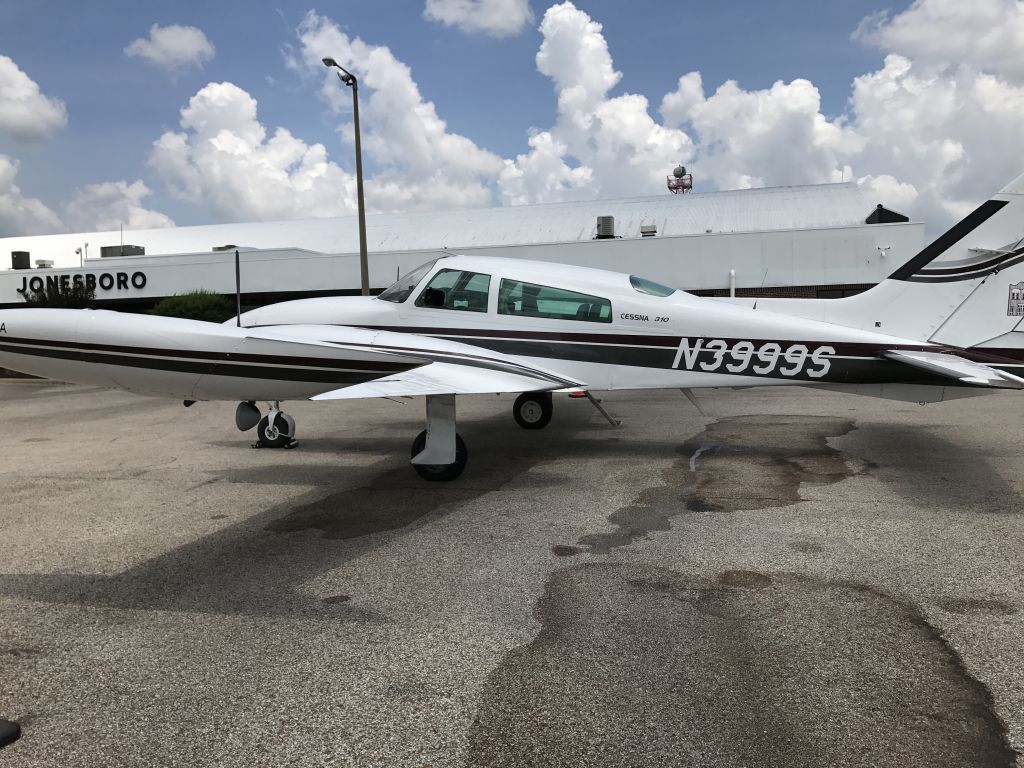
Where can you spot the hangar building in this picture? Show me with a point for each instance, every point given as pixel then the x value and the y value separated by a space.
pixel 822 240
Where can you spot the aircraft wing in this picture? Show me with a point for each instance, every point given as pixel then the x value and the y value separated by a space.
pixel 441 378
pixel 953 367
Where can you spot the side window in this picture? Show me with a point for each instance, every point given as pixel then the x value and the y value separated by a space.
pixel 529 300
pixel 456 289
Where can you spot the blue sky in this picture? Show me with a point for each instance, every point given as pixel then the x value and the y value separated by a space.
pixel 486 88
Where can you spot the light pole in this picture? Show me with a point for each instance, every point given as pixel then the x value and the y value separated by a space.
pixel 350 80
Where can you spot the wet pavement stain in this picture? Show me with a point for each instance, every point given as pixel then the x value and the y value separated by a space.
pixel 335 599
pixel 564 550
pixel 737 463
pixel 640 665
pixel 967 605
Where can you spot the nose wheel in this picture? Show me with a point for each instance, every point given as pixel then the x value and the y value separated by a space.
pixel 532 410
pixel 275 430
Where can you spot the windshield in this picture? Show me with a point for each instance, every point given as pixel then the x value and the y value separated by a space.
pixel 402 289
pixel 650 287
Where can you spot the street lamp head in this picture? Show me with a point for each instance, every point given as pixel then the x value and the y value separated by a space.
pixel 329 62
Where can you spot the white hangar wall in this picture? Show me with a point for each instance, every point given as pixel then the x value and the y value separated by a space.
pixel 781 241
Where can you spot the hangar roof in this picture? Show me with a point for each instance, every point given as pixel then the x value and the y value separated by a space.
pixel 748 210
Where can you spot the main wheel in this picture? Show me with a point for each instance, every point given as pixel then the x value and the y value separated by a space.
pixel 532 410
pixel 439 471
pixel 276 435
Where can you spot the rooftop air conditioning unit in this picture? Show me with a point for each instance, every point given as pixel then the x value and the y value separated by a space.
pixel 648 230
pixel 605 228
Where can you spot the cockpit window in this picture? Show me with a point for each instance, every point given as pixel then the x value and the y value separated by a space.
pixel 406 284
pixel 650 287
pixel 528 300
pixel 456 289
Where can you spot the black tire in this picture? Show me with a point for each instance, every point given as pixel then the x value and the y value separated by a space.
pixel 439 472
pixel 273 437
pixel 532 410
pixel 10 731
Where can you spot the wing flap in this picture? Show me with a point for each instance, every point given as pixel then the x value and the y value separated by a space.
pixel 441 379
pixel 953 367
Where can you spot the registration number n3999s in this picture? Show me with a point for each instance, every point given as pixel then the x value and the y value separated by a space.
pixel 747 357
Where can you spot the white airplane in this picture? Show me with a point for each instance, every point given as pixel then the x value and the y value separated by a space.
pixel 946 324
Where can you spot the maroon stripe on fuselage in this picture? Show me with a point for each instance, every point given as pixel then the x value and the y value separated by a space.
pixel 291 360
pixel 843 349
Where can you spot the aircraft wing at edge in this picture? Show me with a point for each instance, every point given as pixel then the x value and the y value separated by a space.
pixel 439 378
pixel 953 367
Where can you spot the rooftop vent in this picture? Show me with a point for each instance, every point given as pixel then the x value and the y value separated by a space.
pixel 882 215
pixel 648 230
pixel 605 228
pixel 110 251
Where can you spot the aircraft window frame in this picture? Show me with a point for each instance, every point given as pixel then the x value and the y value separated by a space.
pixel 589 308
pixel 650 287
pixel 404 287
pixel 458 291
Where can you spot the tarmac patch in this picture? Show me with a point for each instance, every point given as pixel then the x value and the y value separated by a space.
pixel 640 665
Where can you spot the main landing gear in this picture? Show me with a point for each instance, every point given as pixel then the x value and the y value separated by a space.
pixel 438 453
pixel 275 430
pixel 532 410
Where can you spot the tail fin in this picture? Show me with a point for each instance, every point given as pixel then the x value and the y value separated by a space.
pixel 966 289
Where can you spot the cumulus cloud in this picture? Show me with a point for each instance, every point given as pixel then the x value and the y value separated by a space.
pixel 542 175
pixel 25 113
pixel 953 133
pixel 110 205
pixel 930 132
pixel 987 35
pixel 224 160
pixel 420 163
pixel 772 136
pixel 599 145
pixel 94 207
pixel 21 215
pixel 173 47
pixel 498 18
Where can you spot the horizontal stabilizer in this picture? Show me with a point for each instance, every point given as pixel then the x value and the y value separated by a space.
pixel 442 379
pixel 958 368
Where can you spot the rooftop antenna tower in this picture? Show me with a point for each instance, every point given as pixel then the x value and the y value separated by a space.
pixel 680 182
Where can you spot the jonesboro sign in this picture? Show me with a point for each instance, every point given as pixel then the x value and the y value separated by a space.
pixel 102 281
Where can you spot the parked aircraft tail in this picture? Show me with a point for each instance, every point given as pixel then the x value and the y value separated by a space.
pixel 966 289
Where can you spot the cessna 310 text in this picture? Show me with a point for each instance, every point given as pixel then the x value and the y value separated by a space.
pixel 946 324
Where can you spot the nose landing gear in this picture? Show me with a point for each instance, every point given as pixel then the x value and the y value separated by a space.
pixel 275 430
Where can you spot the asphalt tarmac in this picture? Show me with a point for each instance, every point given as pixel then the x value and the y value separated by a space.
pixel 778 577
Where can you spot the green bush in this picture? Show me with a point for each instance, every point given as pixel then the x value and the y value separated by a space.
pixel 70 296
pixel 197 305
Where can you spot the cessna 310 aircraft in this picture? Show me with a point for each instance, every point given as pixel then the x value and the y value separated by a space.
pixel 946 324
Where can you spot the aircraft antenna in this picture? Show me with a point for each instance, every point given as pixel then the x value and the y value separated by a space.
pixel 238 291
